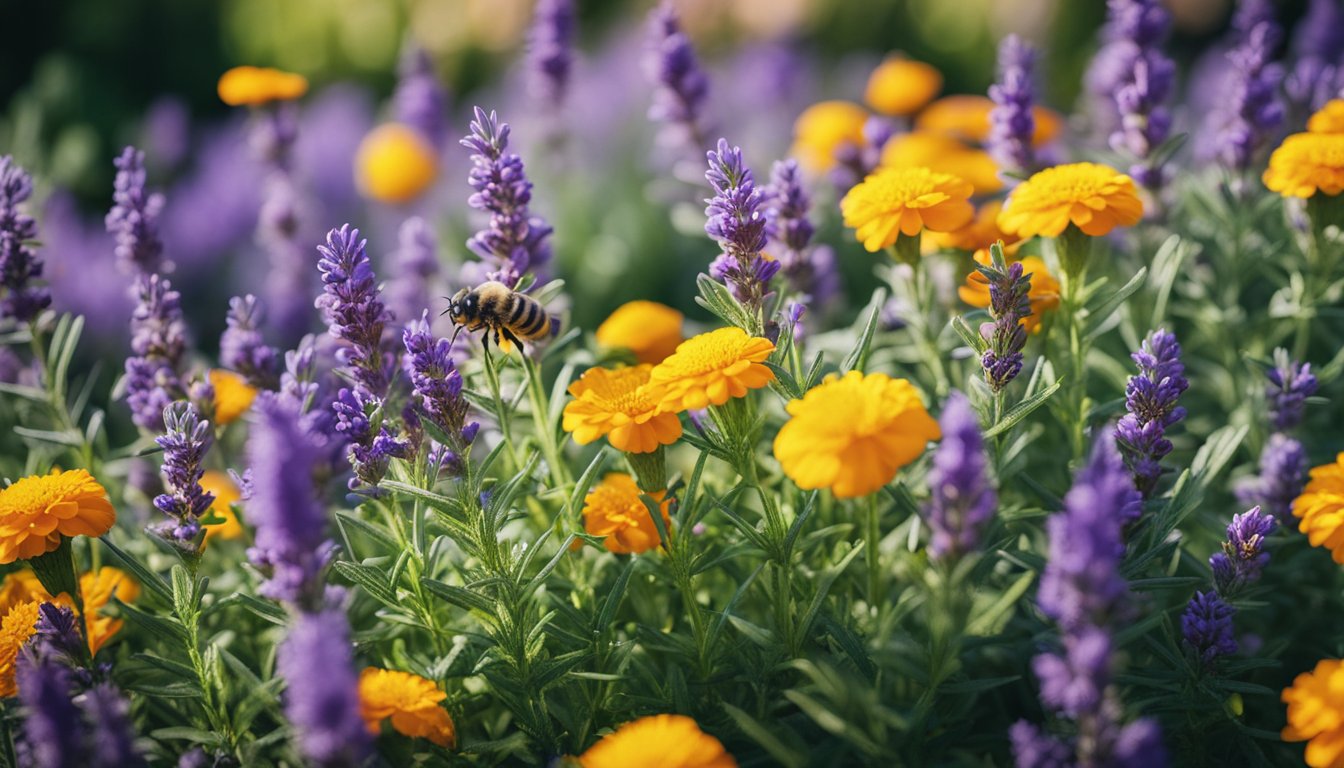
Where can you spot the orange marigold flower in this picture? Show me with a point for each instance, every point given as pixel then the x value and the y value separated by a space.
pixel 394 164
pixel 233 395
pixel 649 329
pixel 905 201
pixel 982 232
pixel 1044 295
pixel 222 487
pixel 613 402
pixel 1307 163
pixel 710 369
pixel 410 700
pixel 16 627
pixel 822 129
pixel 254 86
pixel 98 589
pixel 901 86
pixel 1092 197
pixel 967 117
pixel 1321 507
pixel 851 434
pixel 658 741
pixel 614 509
pixel 1328 119
pixel 37 511
pixel 1316 713
pixel 944 154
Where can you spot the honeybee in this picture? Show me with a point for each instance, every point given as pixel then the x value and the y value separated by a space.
pixel 495 307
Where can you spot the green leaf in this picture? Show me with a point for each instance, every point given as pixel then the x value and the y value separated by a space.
pixel 147 578
pixel 1098 316
pixel 1023 409
pixel 61 437
pixel 615 593
pixel 184 594
pixel 372 580
pixel 973 340
pixel 787 385
pixel 990 620
pixel 261 608
pixel 857 359
pixel 350 521
pixel 828 578
pixel 435 500
pixel 788 756
pixel 462 598
pixel 977 686
pixel 186 733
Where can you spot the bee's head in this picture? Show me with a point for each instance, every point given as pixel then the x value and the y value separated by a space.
pixel 462 307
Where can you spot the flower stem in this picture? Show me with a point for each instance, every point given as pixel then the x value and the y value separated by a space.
pixel 872 536
pixel 492 379
pixel 550 447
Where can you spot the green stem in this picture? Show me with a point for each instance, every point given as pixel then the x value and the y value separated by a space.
pixel 928 330
pixel 550 447
pixel 1071 285
pixel 492 379
pixel 872 536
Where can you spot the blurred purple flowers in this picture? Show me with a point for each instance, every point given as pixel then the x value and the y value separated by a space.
pixel 241 346
pixel 186 440
pixel 1283 472
pixel 1290 384
pixel 1130 80
pixel 810 269
pixel 1011 123
pixel 680 86
pixel 415 268
pixel 420 100
pixel 19 263
pixel 962 500
pixel 550 54
pixel 1318 41
pixel 134 218
pixel 1252 109
pixel 1150 399
pixel 317 662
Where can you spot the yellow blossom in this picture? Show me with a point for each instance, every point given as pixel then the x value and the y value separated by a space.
pixel 649 329
pixel 980 233
pixel 1092 197
pixel 1307 163
pixel 18 624
pixel 1316 713
pixel 966 117
pixel 710 369
pixel 852 433
pixel 254 86
pixel 1328 119
pixel 37 511
pixel 222 487
pixel 613 402
pixel 1044 295
pixel 97 589
pixel 1321 507
pixel 900 86
pixel 905 201
pixel 412 702
pixel 944 154
pixel 613 509
pixel 233 395
pixel 658 741
pixel 823 128
pixel 394 164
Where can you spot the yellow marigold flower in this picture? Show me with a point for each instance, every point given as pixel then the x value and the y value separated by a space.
pixel 905 201
pixel 658 741
pixel 394 164
pixel 410 700
pixel 1316 713
pixel 20 587
pixel 98 589
pixel 613 402
pixel 710 369
pixel 901 86
pixel 1093 197
pixel 17 626
pixel 254 86
pixel 1044 295
pixel 233 395
pixel 614 509
pixel 982 231
pixel 37 511
pixel 649 329
pixel 822 129
pixel 851 434
pixel 1328 119
pixel 944 154
pixel 1307 163
pixel 1321 507
pixel 967 117
pixel 226 493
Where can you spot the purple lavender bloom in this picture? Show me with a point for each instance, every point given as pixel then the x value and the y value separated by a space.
pixel 680 85
pixel 19 263
pixel 1253 109
pixel 186 440
pixel 810 270
pixel 962 499
pixel 317 663
pixel 1150 398
pixel 436 383
pixel 51 722
pixel 1243 558
pixel 1074 683
pixel 291 547
pixel 111 737
pixel 1318 41
pixel 1081 584
pixel 1283 472
pixel 1011 123
pixel 1139 745
pixel 166 130
pixel 737 223
pixel 352 308
pixel 1009 303
pixel 241 346
pixel 56 636
pixel 514 242
pixel 415 266
pixel 1290 384
pixel 1206 627
pixel 134 218
pixel 359 418
pixel 420 100
pixel 158 341
pixel 855 161
pixel 289 282
pixel 550 53
pixel 1034 748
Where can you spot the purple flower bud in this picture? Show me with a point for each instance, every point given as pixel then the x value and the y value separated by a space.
pixel 317 663
pixel 1251 110
pixel 1074 682
pixel 420 100
pixel 680 86
pixel 1012 124
pixel 736 220
pixel 134 218
pixel 1034 748
pixel 352 307
pixel 550 51
pixel 1009 303
pixel 1150 398
pixel 1243 558
pixel 185 442
pixel 19 263
pixel 1206 627
pixel 158 342
pixel 241 346
pixel 961 498
pixel 1290 384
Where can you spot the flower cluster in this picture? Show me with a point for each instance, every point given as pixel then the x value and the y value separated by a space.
pixel 36 512
pixel 20 299
pixel 1150 399
pixel 1206 627
pixel 352 308
pixel 1316 75
pixel 1290 384
pixel 437 389
pixel 550 51
pixel 1283 470
pixel 409 701
pixel 1321 508
pixel 1009 306
pixel 186 440
pixel 1254 111
pixel 242 347
pixel 134 218
pixel 158 342
pixel 810 270
pixel 1130 80
pixel 737 223
pixel 1012 124
pixel 614 509
pixel 420 100
pixel 1243 557
pixel 680 85
pixel 962 499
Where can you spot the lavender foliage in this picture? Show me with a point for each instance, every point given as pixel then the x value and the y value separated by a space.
pixel 1253 110
pixel 242 347
pixel 158 342
pixel 186 440
pixel 134 218
pixel 1130 82
pixel 352 308
pixel 20 299
pixel 680 85
pixel 1011 123
pixel 1283 473
pixel 1206 627
pixel 1290 384
pixel 736 221
pixel 962 498
pixel 317 663
pixel 420 100
pixel 1150 399
pixel 1009 303
pixel 1243 558
pixel 550 55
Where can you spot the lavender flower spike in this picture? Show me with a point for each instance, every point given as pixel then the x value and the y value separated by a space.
pixel 550 52
pixel 736 222
pixel 185 443
pixel 241 346
pixel 1254 110
pixel 415 266
pixel 1150 398
pixel 134 218
pixel 962 499
pixel 1243 558
pixel 19 263
pixel 810 270
pixel 1206 627
pixel 436 382
pixel 352 308
pixel 51 722
pixel 515 242
pixel 1009 303
pixel 158 341
pixel 107 715
pixel 1317 42
pixel 322 698
pixel 1011 123
pixel 1283 472
pixel 420 100
pixel 680 85
pixel 1290 384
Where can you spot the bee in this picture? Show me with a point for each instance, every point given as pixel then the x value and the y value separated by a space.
pixel 495 307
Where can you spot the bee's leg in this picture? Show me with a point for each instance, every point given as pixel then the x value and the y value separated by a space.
pixel 509 335
pixel 485 341
pixel 497 329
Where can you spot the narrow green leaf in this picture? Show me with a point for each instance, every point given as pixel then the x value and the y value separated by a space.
pixel 1098 316
pixel 857 359
pixel 147 578
pixel 1023 409
pixel 988 621
pixel 789 757
pixel 462 598
pixel 372 580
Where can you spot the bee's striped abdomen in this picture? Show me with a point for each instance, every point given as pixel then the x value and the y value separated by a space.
pixel 533 323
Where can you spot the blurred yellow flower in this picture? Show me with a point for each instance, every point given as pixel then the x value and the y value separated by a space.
pixel 1092 197
pixel 966 117
pixel 1044 295
pixel 1316 713
pixel 823 128
pixel 253 86
pixel 982 231
pixel 222 487
pixel 852 433
pixel 649 329
pixel 1307 163
pixel 1328 119
pixel 614 509
pixel 18 624
pixel 900 86
pixel 394 164
pixel 37 511
pixel 1321 507
pixel 944 154
pixel 97 589
pixel 613 402
pixel 905 201
pixel 233 395
pixel 658 741
pixel 411 701
pixel 710 369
